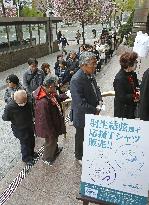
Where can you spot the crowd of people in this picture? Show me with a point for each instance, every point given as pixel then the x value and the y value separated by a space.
pixel 35 107
pixel 103 47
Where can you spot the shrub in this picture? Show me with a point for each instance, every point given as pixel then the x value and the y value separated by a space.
pixel 30 12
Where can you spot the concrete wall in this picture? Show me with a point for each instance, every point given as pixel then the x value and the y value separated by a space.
pixel 14 58
pixel 55 47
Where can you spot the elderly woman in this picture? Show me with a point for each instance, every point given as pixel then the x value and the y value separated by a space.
pixel 126 87
pixel 49 120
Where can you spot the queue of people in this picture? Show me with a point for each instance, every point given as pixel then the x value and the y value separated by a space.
pixel 34 108
pixel 26 107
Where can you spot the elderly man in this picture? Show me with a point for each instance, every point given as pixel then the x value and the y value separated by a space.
pixel 33 77
pixel 19 112
pixel 86 98
pixel 49 120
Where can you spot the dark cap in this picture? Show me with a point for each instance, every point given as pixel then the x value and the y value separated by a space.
pixel 12 79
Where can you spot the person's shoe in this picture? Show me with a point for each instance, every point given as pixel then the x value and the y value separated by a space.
pixel 80 162
pixel 30 163
pixel 36 155
pixel 28 159
pixel 49 163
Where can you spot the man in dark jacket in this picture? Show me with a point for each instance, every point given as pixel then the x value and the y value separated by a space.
pixel 144 97
pixel 86 98
pixel 59 35
pixel 49 120
pixel 73 63
pixel 64 42
pixel 33 77
pixel 19 112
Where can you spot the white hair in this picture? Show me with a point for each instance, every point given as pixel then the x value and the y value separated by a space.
pixel 85 57
pixel 20 93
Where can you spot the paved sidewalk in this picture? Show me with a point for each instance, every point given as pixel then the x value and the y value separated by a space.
pixel 57 184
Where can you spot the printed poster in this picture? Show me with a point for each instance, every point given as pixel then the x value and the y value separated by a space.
pixel 115 160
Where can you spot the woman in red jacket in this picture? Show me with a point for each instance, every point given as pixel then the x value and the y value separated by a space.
pixel 49 119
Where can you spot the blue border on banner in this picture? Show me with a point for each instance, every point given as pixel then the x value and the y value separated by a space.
pixel 111 195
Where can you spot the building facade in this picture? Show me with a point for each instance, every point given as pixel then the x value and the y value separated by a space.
pixel 141 16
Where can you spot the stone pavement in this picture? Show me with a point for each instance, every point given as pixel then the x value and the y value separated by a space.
pixel 57 184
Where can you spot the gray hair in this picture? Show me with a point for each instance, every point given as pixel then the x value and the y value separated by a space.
pixel 50 79
pixel 85 57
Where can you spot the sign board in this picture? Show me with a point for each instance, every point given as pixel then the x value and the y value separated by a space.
pixel 115 164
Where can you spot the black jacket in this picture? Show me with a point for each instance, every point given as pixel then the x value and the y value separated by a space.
pixel 73 65
pixel 144 97
pixel 20 117
pixel 124 106
pixel 85 97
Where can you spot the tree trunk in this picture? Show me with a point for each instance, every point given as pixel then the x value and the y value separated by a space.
pixel 83 32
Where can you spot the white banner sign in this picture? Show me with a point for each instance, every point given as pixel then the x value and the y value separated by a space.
pixel 115 160
pixel 141 44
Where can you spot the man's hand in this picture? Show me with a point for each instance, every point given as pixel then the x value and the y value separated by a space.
pixel 98 108
pixel 71 72
pixel 97 111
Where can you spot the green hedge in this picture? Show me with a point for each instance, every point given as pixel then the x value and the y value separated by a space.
pixel 31 12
